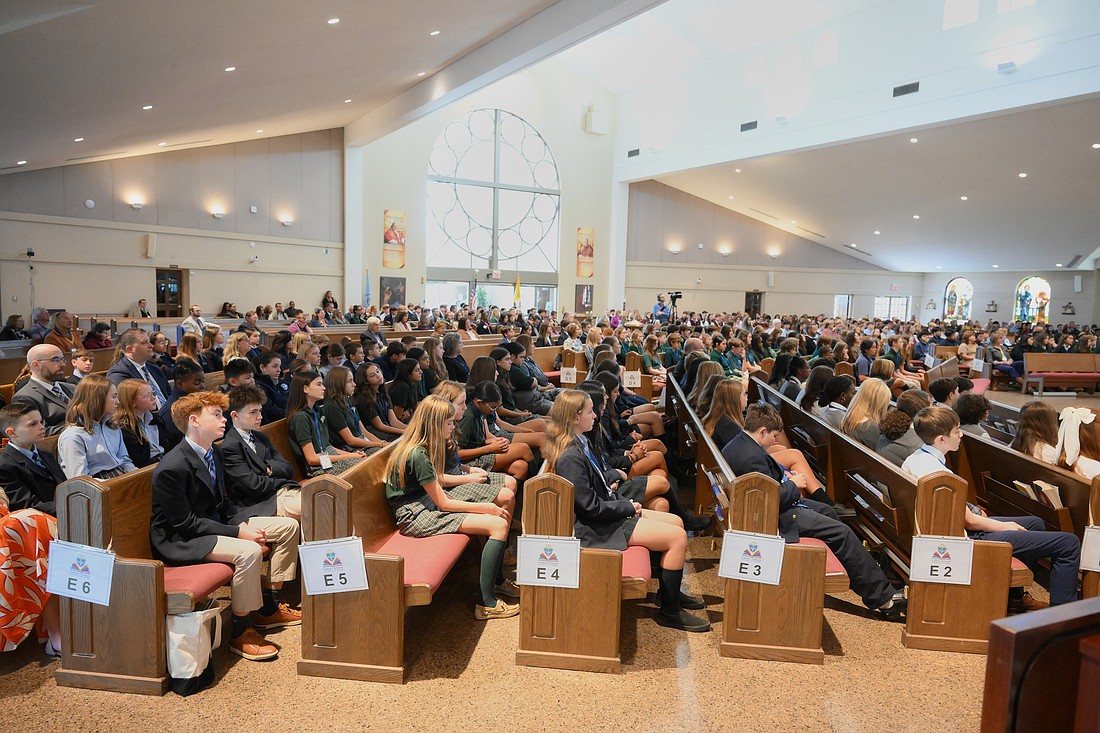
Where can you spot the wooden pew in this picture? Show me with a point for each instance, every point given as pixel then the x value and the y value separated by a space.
pixel 634 364
pixel 121 647
pixel 575 628
pixel 955 618
pixel 1061 370
pixel 1043 670
pixel 280 441
pixel 751 628
pixel 361 635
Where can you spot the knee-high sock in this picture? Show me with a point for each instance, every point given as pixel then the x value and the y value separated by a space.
pixel 670 591
pixel 491 557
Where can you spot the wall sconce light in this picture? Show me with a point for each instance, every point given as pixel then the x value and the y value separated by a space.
pixel 136 204
pixel 675 249
pixel 725 252
pixel 286 222
pixel 773 254
pixel 700 245
pixel 217 213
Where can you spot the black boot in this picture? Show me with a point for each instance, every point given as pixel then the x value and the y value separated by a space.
pixel 671 614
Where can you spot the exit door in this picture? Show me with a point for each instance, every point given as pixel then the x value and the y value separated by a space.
pixel 754 303
pixel 171 293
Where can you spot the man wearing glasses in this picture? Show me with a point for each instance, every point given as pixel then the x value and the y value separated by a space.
pixel 47 390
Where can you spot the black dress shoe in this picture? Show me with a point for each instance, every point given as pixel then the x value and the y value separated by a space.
pixel 683 621
pixel 897 606
pixel 698 523
pixel 692 603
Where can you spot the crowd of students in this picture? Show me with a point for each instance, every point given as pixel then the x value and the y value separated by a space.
pixel 469 435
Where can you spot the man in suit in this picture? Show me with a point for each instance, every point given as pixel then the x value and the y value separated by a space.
pixel 27 475
pixel 47 391
pixel 254 471
pixel 194 521
pixel 141 311
pixel 748 453
pixel 194 322
pixel 137 362
pixel 373 333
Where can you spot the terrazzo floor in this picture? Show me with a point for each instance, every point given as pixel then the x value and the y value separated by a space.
pixel 462 676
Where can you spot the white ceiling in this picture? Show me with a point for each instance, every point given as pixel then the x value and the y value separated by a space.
pixel 86 69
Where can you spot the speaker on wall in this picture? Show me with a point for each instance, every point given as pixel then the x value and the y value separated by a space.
pixel 1076 283
pixel 150 246
pixel 771 279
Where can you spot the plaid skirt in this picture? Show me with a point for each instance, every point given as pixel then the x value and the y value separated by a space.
pixel 486 461
pixel 337 466
pixel 418 516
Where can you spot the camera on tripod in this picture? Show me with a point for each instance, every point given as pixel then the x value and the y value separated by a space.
pixel 675 295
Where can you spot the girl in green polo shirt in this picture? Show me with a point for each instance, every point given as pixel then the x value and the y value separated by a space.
pixel 307 428
pixel 416 482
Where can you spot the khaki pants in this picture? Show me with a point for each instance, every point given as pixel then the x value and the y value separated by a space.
pixel 246 557
pixel 290 503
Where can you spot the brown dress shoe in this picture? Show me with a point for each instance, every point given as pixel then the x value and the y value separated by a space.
pixel 251 645
pixel 285 616
pixel 1027 603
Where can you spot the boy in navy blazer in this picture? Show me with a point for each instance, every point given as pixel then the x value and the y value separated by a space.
pixel 27 475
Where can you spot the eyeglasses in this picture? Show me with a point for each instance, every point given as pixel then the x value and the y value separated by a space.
pixel 55 360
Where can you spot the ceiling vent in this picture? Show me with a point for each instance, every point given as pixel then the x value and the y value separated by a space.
pixel 811 231
pixel 764 213
pixel 1074 261
pixel 746 126
pixel 97 155
pixel 907 89
pixel 633 153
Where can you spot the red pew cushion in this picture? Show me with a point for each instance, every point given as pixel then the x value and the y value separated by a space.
pixel 427 559
pixel 1065 375
pixel 199 580
pixel 832 564
pixel 636 563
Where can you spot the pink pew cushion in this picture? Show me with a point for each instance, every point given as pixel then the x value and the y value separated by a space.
pixel 980 385
pixel 832 564
pixel 552 375
pixel 427 559
pixel 636 563
pixel 199 580
pixel 1066 375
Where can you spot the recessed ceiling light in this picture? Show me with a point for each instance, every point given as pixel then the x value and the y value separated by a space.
pixel 1096 146
pixel 147 107
pixel 421 73
pixel 434 33
pixel 347 101
pixel 161 145
pixel 793 221
pixel 962 198
pixel 853 245
pixel 916 216
pixel 914 140
pixel 230 68
pixel 1058 265
pixel 736 170
pixel 877 232
pixel 333 21
pixel 20 162
pixel 78 139
pixel 730 197
pixel 995 266
pixel 1023 175
pixel 259 131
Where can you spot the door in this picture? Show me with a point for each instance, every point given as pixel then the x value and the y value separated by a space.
pixel 171 293
pixel 754 302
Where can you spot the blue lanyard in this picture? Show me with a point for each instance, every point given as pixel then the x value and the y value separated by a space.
pixel 587 450
pixel 924 449
pixel 317 432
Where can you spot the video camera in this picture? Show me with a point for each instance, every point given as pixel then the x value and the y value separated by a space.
pixel 675 295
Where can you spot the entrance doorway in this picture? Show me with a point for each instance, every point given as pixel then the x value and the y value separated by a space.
pixel 754 302
pixel 171 293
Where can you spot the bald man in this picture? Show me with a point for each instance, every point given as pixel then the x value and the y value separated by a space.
pixel 47 389
pixel 692 344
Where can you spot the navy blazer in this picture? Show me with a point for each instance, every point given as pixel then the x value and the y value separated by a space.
pixel 50 406
pixel 124 369
pixel 189 511
pixel 600 512
pixel 27 485
pixel 744 456
pixel 247 479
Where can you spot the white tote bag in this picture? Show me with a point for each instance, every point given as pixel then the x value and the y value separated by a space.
pixel 191 639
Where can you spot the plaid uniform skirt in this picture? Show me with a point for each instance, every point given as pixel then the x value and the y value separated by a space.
pixel 486 461
pixel 337 466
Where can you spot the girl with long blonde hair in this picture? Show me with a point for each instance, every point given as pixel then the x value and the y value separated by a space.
pixel 422 507
pixel 866 411
pixel 136 415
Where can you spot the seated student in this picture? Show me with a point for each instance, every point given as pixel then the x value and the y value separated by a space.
pixel 28 476
pixel 815 384
pixel 194 521
pixel 972 409
pixel 189 378
pixel 344 424
pixel 189 348
pixel 213 339
pixel 255 473
pixel 237 372
pixel 308 429
pixel 137 418
pixel 237 346
pixel 334 356
pixel 354 356
pixel 607 520
pixel 83 362
pixel 92 444
pixel 617 426
pixel 701 405
pixel 422 506
pixel 46 389
pixel 274 387
pixel 25 536
pixel 374 405
pixel 868 352
pixel 528 394
pixel 671 353
pixel 478 446
pixel 939 428
pixel 100 337
pixel 866 411
pixel 718 355
pixel 944 391
pixel 645 415
pixel 514 422
pixel 404 390
pixel 898 440
pixel 455 393
pixel 394 355
pixel 1037 432
pixel 838 394
pixel 428 378
pixel 310 353
pixel 798 371
pixel 726 416
pixel 548 390
pixel 748 452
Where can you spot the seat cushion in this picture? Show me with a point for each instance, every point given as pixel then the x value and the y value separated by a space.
pixel 427 559
pixel 553 375
pixel 980 385
pixel 832 564
pixel 1066 375
pixel 636 563
pixel 196 581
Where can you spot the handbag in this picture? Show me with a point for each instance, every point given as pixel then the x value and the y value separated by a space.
pixel 192 638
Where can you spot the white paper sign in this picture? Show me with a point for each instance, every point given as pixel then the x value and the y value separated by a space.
pixel 757 558
pixel 333 566
pixel 632 379
pixel 977 366
pixel 554 562
pixel 568 375
pixel 80 572
pixel 929 361
pixel 941 560
pixel 1090 549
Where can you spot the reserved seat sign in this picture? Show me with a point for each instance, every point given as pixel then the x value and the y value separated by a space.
pixel 333 566
pixel 81 572
pixel 632 380
pixel 1090 549
pixel 946 560
pixel 756 558
pixel 553 562
pixel 568 375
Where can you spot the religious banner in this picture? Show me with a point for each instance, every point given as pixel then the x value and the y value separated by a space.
pixel 393 239
pixel 586 238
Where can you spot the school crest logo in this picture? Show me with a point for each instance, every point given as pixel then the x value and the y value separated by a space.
pixel 332 561
pixel 548 556
pixel 80 568
pixel 752 552
pixel 942 554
